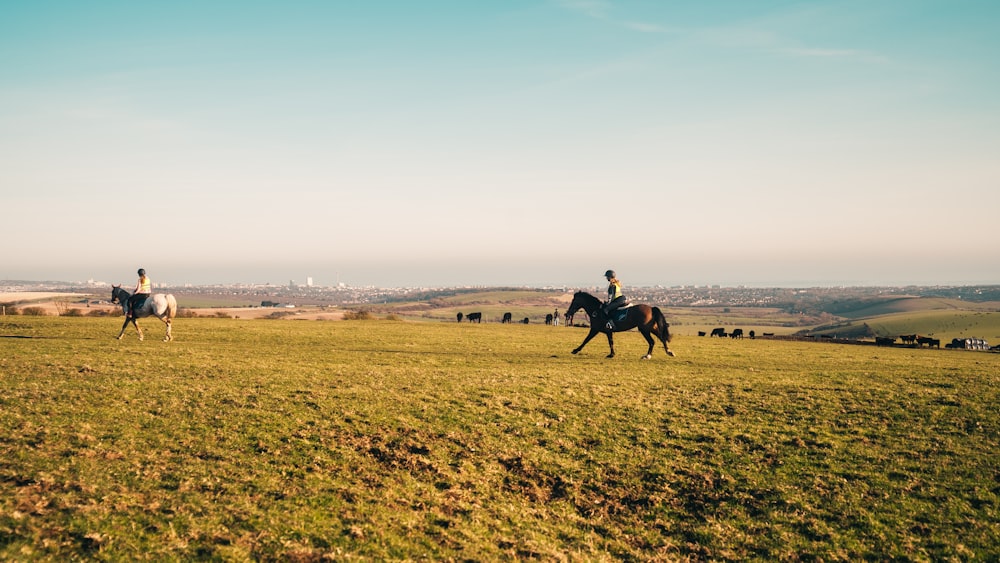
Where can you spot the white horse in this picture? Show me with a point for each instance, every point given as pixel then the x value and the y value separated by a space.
pixel 160 305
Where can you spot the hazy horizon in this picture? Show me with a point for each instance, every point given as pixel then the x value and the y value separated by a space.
pixel 530 142
pixel 489 275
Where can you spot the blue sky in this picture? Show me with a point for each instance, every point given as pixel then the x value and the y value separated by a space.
pixel 523 142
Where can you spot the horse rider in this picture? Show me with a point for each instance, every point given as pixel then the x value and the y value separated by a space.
pixel 143 288
pixel 616 299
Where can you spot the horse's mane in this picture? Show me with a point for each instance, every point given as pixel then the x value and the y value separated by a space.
pixel 583 296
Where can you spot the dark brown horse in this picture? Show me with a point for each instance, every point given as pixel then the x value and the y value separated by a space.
pixel 649 321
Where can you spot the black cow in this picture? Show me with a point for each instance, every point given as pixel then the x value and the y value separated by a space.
pixel 737 333
pixel 752 335
pixel 702 333
pixel 908 338
pixel 548 319
pixel 525 321
pixel 507 318
pixel 459 317
pixel 475 317
pixel 885 340
pixel 720 332
pixel 930 342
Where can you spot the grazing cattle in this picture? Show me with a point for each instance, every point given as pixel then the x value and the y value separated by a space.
pixel 459 317
pixel 908 338
pixel 548 319
pixel 930 342
pixel 737 333
pixel 702 333
pixel 525 321
pixel 475 317
pixel 752 335
pixel 507 318
pixel 720 332
pixel 885 340
pixel 768 334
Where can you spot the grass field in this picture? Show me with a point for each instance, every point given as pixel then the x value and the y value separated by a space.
pixel 304 440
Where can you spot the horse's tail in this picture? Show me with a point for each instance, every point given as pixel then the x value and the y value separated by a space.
pixel 662 326
pixel 171 306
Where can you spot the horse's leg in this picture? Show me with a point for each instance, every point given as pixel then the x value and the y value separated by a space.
pixel 166 320
pixel 124 326
pixel 611 344
pixel 649 340
pixel 593 333
pixel 137 328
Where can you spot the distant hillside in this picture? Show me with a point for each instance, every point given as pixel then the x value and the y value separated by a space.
pixel 533 304
pixel 943 324
pixel 874 307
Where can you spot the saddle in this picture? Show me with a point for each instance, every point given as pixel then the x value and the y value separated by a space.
pixel 619 314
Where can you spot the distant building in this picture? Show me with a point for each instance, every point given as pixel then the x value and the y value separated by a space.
pixel 309 282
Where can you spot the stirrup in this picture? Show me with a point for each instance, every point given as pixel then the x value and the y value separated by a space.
pixel 610 325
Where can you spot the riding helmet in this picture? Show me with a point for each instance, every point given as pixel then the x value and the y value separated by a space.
pixel 142 271
pixel 610 274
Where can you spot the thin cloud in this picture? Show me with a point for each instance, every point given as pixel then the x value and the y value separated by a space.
pixel 592 8
pixel 647 27
pixel 851 54
pixel 600 10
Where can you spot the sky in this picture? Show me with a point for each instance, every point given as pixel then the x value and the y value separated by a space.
pixel 516 142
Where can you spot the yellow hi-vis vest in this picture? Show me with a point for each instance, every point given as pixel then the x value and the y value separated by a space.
pixel 147 286
pixel 614 291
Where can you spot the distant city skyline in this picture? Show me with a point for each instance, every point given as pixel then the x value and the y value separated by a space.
pixel 527 143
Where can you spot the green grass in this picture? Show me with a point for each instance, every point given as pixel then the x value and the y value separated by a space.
pixel 396 440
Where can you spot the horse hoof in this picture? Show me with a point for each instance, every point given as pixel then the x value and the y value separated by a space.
pixel 669 353
pixel 609 356
pixel 577 351
pixel 647 357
